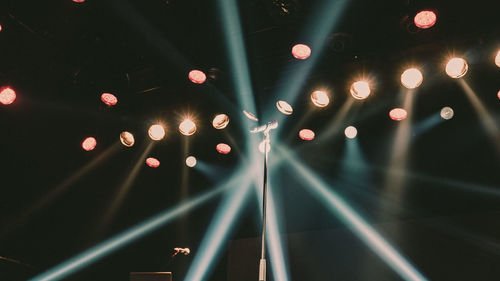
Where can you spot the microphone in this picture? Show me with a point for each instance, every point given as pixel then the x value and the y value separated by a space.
pixel 184 251
pixel 266 127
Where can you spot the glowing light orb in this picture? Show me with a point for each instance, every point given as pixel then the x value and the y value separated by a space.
pixel 301 51
pixel 446 113
pixel 191 161
pixel 250 116
pixel 262 146
pixel 220 121
pixel 412 78
pixel 156 132
pixel 7 95
pixel 78 1
pixel 360 90
pixel 89 143
pixel 425 19
pixel 398 114
pixel 284 107
pixel 497 59
pixel 187 127
pixel 197 76
pixel 498 95
pixel 306 134
pixel 223 148
pixel 456 67
pixel 351 132
pixel 127 139
pixel 0 27
pixel 153 162
pixel 109 99
pixel 320 98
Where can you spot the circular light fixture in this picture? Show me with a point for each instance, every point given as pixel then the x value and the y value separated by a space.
pixel 250 116
pixel 360 90
pixel 498 95
pixel 320 98
pixel 301 51
pixel 262 146
pixel 0 27
pixel 191 161
pixel 109 99
pixel 223 148
pixel 497 59
pixel 398 114
pixel 187 127
pixel 7 95
pixel 412 78
pixel 425 19
pixel 127 139
pixel 456 67
pixel 284 107
pixel 220 121
pixel 153 162
pixel 197 76
pixel 78 1
pixel 156 132
pixel 446 113
pixel 351 132
pixel 306 134
pixel 89 144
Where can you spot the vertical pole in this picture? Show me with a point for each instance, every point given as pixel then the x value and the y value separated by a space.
pixel 262 264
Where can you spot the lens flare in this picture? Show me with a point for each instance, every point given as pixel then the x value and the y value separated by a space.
pixel 220 121
pixel 89 143
pixel 156 132
pixel 306 134
pixel 425 19
pixel 351 132
pixel 412 78
pixel 284 107
pixel 197 76
pixel 398 114
pixel 109 99
pixel 153 162
pixel 456 67
pixel 127 139
pixel 446 113
pixel 320 98
pixel 7 95
pixel 360 90
pixel 301 51
pixel 187 127
pixel 223 148
pixel 191 161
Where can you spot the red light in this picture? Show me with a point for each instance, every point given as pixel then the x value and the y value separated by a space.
pixel 7 95
pixel 109 99
pixel 498 95
pixel 306 134
pixel 301 51
pixel 425 19
pixel 398 114
pixel 0 27
pixel 78 1
pixel 89 144
pixel 153 162
pixel 223 148
pixel 197 76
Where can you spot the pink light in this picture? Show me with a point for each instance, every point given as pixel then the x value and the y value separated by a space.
pixel 301 51
pixel 0 27
pixel 89 144
pixel 223 148
pixel 498 95
pixel 425 19
pixel 78 1
pixel 306 134
pixel 109 99
pixel 7 95
pixel 197 76
pixel 153 162
pixel 398 114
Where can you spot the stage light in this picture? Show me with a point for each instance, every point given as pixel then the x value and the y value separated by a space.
pixel 446 113
pixel 425 19
pixel 351 132
pixel 456 67
pixel 78 1
pixel 153 162
pixel 498 95
pixel 127 139
pixel 89 143
pixel 0 27
pixel 223 148
pixel 262 146
pixel 187 127
pixel 411 78
pixel 220 121
pixel 109 99
pixel 497 59
pixel 284 107
pixel 7 95
pixel 360 90
pixel 306 134
pixel 320 98
pixel 197 76
pixel 398 114
pixel 250 115
pixel 301 51
pixel 156 132
pixel 191 161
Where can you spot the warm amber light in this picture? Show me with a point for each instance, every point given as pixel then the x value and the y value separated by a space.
pixel 412 78
pixel 89 144
pixel 360 90
pixel 497 59
pixel 156 132
pixel 220 121
pixel 456 67
pixel 191 161
pixel 320 98
pixel 187 127
pixel 127 139
pixel 398 114
pixel 284 107
pixel 351 132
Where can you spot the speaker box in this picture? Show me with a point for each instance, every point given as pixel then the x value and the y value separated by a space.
pixel 150 276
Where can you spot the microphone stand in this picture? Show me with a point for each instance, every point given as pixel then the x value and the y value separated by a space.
pixel 262 264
